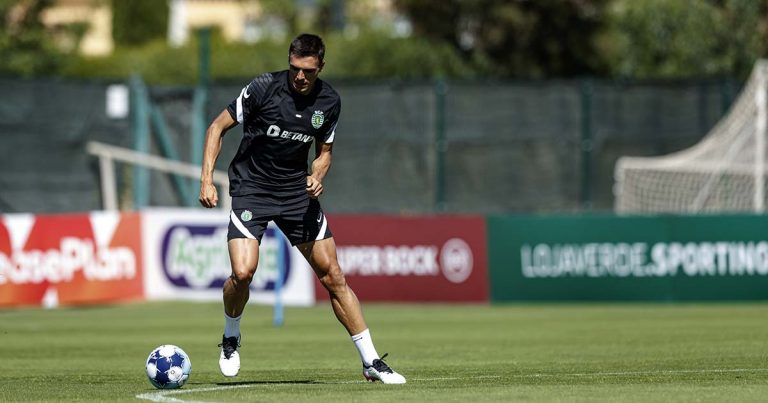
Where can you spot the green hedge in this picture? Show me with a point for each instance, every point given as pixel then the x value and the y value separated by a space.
pixel 367 56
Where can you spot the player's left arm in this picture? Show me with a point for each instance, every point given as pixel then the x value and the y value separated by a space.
pixel 320 166
pixel 323 150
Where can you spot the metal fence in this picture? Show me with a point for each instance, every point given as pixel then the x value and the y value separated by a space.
pixel 401 147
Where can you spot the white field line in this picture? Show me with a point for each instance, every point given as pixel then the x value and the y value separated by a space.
pixel 163 395
pixel 167 395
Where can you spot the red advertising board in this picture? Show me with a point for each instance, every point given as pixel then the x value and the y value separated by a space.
pixel 70 259
pixel 412 259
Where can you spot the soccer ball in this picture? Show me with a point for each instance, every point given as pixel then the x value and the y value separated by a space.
pixel 168 367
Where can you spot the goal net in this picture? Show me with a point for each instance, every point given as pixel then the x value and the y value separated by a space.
pixel 723 173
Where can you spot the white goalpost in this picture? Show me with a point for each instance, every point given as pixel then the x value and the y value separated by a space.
pixel 723 173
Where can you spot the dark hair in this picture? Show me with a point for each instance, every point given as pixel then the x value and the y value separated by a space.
pixel 307 45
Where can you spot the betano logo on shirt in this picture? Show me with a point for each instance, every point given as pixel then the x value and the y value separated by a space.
pixel 275 131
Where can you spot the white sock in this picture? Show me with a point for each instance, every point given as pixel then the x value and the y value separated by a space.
pixel 364 345
pixel 232 326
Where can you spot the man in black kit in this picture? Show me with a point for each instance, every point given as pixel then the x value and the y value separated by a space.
pixel 281 113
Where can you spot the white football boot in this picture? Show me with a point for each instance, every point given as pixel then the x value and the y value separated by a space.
pixel 229 359
pixel 379 370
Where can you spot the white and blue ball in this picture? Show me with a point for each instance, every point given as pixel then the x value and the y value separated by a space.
pixel 168 367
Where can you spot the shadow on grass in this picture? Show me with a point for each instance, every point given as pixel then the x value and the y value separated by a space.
pixel 301 381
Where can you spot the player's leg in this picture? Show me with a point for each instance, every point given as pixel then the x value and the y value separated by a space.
pixel 244 236
pixel 244 257
pixel 321 255
pixel 303 222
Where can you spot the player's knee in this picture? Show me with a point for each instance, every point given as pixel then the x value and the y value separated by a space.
pixel 334 280
pixel 242 277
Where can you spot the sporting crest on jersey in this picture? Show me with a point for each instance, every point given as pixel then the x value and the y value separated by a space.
pixel 317 119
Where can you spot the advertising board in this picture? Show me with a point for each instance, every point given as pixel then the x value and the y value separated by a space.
pixel 412 259
pixel 665 257
pixel 186 257
pixel 70 259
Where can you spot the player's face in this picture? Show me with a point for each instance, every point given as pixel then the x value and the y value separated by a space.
pixel 303 72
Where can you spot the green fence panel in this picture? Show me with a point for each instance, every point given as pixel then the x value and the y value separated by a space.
pixel 667 258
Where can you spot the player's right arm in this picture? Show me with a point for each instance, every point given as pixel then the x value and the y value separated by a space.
pixel 213 138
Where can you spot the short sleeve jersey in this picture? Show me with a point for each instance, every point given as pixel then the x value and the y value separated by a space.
pixel 279 126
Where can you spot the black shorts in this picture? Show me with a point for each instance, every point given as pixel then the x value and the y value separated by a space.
pixel 300 218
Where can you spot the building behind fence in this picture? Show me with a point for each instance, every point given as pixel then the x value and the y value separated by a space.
pixel 401 147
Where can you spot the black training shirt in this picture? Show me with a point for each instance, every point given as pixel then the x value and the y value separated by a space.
pixel 278 128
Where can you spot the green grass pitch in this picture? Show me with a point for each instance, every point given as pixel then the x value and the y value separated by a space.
pixel 536 352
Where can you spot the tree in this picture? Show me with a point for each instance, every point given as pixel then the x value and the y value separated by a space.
pixel 26 47
pixel 527 39
pixel 664 38
pixel 137 22
pixel 672 38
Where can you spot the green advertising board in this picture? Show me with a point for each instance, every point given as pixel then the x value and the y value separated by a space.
pixel 668 258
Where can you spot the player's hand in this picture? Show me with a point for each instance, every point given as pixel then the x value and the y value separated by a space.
pixel 314 187
pixel 209 198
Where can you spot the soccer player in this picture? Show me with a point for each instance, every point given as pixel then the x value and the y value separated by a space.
pixel 282 113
